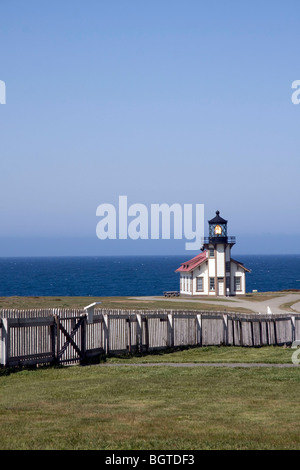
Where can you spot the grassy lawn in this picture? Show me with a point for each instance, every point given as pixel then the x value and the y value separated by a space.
pixel 152 408
pixel 124 302
pixel 113 303
pixel 227 354
pixel 156 302
pixel 156 408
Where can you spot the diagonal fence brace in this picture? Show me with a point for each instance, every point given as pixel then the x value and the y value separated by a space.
pixel 70 337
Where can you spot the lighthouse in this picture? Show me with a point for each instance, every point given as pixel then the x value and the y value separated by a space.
pixel 214 272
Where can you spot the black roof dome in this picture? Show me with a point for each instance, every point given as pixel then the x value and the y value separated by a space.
pixel 217 219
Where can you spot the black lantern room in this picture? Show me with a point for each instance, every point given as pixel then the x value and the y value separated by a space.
pixel 218 228
pixel 218 232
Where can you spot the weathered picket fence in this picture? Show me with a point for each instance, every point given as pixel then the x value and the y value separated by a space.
pixel 58 336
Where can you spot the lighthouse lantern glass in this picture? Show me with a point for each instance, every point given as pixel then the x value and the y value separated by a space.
pixel 218 230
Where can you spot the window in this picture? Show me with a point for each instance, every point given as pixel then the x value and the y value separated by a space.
pixel 211 283
pixel 228 266
pixel 211 253
pixel 237 283
pixel 199 284
pixel 227 282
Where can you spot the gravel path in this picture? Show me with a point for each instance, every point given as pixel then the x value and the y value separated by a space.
pixel 257 307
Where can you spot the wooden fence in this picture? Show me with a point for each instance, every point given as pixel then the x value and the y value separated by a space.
pixel 70 335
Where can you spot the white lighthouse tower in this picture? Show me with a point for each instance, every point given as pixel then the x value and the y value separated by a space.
pixel 213 272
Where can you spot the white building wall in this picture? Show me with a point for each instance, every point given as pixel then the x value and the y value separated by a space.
pixel 237 271
pixel 186 283
pixel 211 267
pixel 200 271
pixel 220 258
pixel 204 273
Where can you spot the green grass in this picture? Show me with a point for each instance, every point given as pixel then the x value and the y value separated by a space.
pixel 156 302
pixel 18 302
pixel 114 303
pixel 154 408
pixel 228 354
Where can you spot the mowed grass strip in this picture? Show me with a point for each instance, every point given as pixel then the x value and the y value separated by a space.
pixel 205 354
pixel 158 408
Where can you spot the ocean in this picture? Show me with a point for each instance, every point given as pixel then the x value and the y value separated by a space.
pixel 129 275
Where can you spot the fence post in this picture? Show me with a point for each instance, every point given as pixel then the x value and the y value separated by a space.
pixel 233 330
pixel 260 333
pixel 129 333
pixel 225 320
pixel 57 334
pixel 146 333
pixel 293 328
pixel 139 332
pixel 170 331
pixel 83 337
pixel 5 342
pixel 275 331
pixel 267 332
pixel 241 340
pixel 52 330
pixel 252 333
pixel 199 329
pixel 106 333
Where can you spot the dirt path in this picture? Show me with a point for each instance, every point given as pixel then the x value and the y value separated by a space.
pixel 255 306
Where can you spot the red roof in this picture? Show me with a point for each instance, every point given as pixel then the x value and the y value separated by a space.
pixel 241 265
pixel 188 266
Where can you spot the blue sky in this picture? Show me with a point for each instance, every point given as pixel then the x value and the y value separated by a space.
pixel 162 101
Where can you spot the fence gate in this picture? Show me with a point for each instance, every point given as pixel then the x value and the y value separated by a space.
pixel 70 338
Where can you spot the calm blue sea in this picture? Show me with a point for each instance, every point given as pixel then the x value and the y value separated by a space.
pixel 132 275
